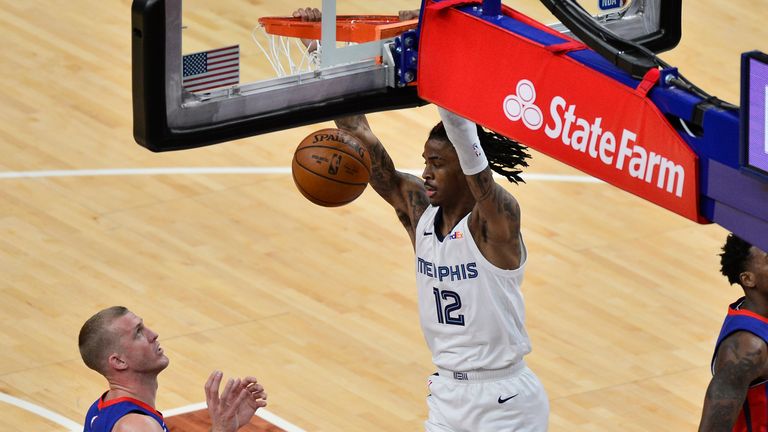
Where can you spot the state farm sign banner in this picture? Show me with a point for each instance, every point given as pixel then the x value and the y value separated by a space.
pixel 555 105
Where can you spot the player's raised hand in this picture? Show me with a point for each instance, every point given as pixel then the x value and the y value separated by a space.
pixel 405 15
pixel 237 404
pixel 307 14
pixel 256 397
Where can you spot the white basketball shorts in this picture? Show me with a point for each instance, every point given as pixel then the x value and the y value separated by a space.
pixel 483 402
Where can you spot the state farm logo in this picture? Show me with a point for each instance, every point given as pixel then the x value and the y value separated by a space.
pixel 520 106
pixel 590 137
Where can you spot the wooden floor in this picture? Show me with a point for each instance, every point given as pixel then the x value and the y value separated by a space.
pixel 239 272
pixel 200 421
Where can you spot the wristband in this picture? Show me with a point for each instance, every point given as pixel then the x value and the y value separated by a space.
pixel 463 135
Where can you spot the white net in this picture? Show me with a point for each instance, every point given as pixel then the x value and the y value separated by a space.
pixel 287 55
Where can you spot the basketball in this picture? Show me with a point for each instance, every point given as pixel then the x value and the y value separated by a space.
pixel 331 168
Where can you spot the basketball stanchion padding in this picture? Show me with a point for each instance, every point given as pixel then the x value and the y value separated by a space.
pixel 331 168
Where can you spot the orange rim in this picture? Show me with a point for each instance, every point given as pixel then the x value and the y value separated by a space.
pixel 349 28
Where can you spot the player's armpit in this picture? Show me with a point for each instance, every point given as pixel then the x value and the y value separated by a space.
pixel 415 201
pixel 741 359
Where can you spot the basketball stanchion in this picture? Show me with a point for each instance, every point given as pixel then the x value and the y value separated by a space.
pixel 605 104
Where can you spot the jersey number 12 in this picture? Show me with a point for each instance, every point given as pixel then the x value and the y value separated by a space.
pixel 446 313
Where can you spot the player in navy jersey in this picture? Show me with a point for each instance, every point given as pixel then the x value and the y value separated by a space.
pixel 116 343
pixel 737 397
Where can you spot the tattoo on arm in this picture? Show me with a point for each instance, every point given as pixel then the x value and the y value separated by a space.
pixel 382 167
pixel 351 123
pixel 482 184
pixel 417 202
pixel 404 192
pixel 496 204
pixel 739 363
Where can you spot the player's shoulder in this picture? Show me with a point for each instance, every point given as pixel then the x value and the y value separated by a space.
pixel 136 422
pixel 742 356
pixel 743 343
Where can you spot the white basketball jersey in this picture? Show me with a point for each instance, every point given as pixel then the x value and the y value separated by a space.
pixel 471 312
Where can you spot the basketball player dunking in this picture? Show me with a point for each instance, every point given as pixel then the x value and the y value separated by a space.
pixel 470 259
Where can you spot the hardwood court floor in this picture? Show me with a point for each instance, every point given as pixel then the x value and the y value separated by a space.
pixel 201 421
pixel 238 272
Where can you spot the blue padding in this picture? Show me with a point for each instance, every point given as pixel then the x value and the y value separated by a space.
pixel 597 62
pixel 516 26
pixel 586 57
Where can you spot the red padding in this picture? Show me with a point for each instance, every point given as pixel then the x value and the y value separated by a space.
pixel 649 80
pixel 566 47
pixel 556 105
pixel 451 3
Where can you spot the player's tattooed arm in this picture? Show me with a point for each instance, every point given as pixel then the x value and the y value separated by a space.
pixel 403 191
pixel 496 220
pixel 741 359
pixel 382 168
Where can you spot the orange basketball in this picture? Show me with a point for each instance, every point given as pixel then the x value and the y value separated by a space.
pixel 331 168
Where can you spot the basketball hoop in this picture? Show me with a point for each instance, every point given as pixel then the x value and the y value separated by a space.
pixel 288 55
pixel 349 28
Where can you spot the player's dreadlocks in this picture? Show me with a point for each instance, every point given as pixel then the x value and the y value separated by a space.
pixel 505 156
pixel 733 260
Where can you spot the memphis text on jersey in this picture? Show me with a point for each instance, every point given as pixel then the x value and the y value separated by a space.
pixel 452 273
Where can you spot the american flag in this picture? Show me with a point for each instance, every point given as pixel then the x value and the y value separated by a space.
pixel 207 70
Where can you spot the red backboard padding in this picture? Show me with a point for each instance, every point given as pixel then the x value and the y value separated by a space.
pixel 556 105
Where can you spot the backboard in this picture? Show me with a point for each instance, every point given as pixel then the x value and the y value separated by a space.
pixel 167 117
pixel 349 80
pixel 627 33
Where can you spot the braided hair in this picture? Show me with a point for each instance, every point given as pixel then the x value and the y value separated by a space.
pixel 505 156
pixel 734 259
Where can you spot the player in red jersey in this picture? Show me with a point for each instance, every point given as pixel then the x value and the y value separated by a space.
pixel 116 343
pixel 737 396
